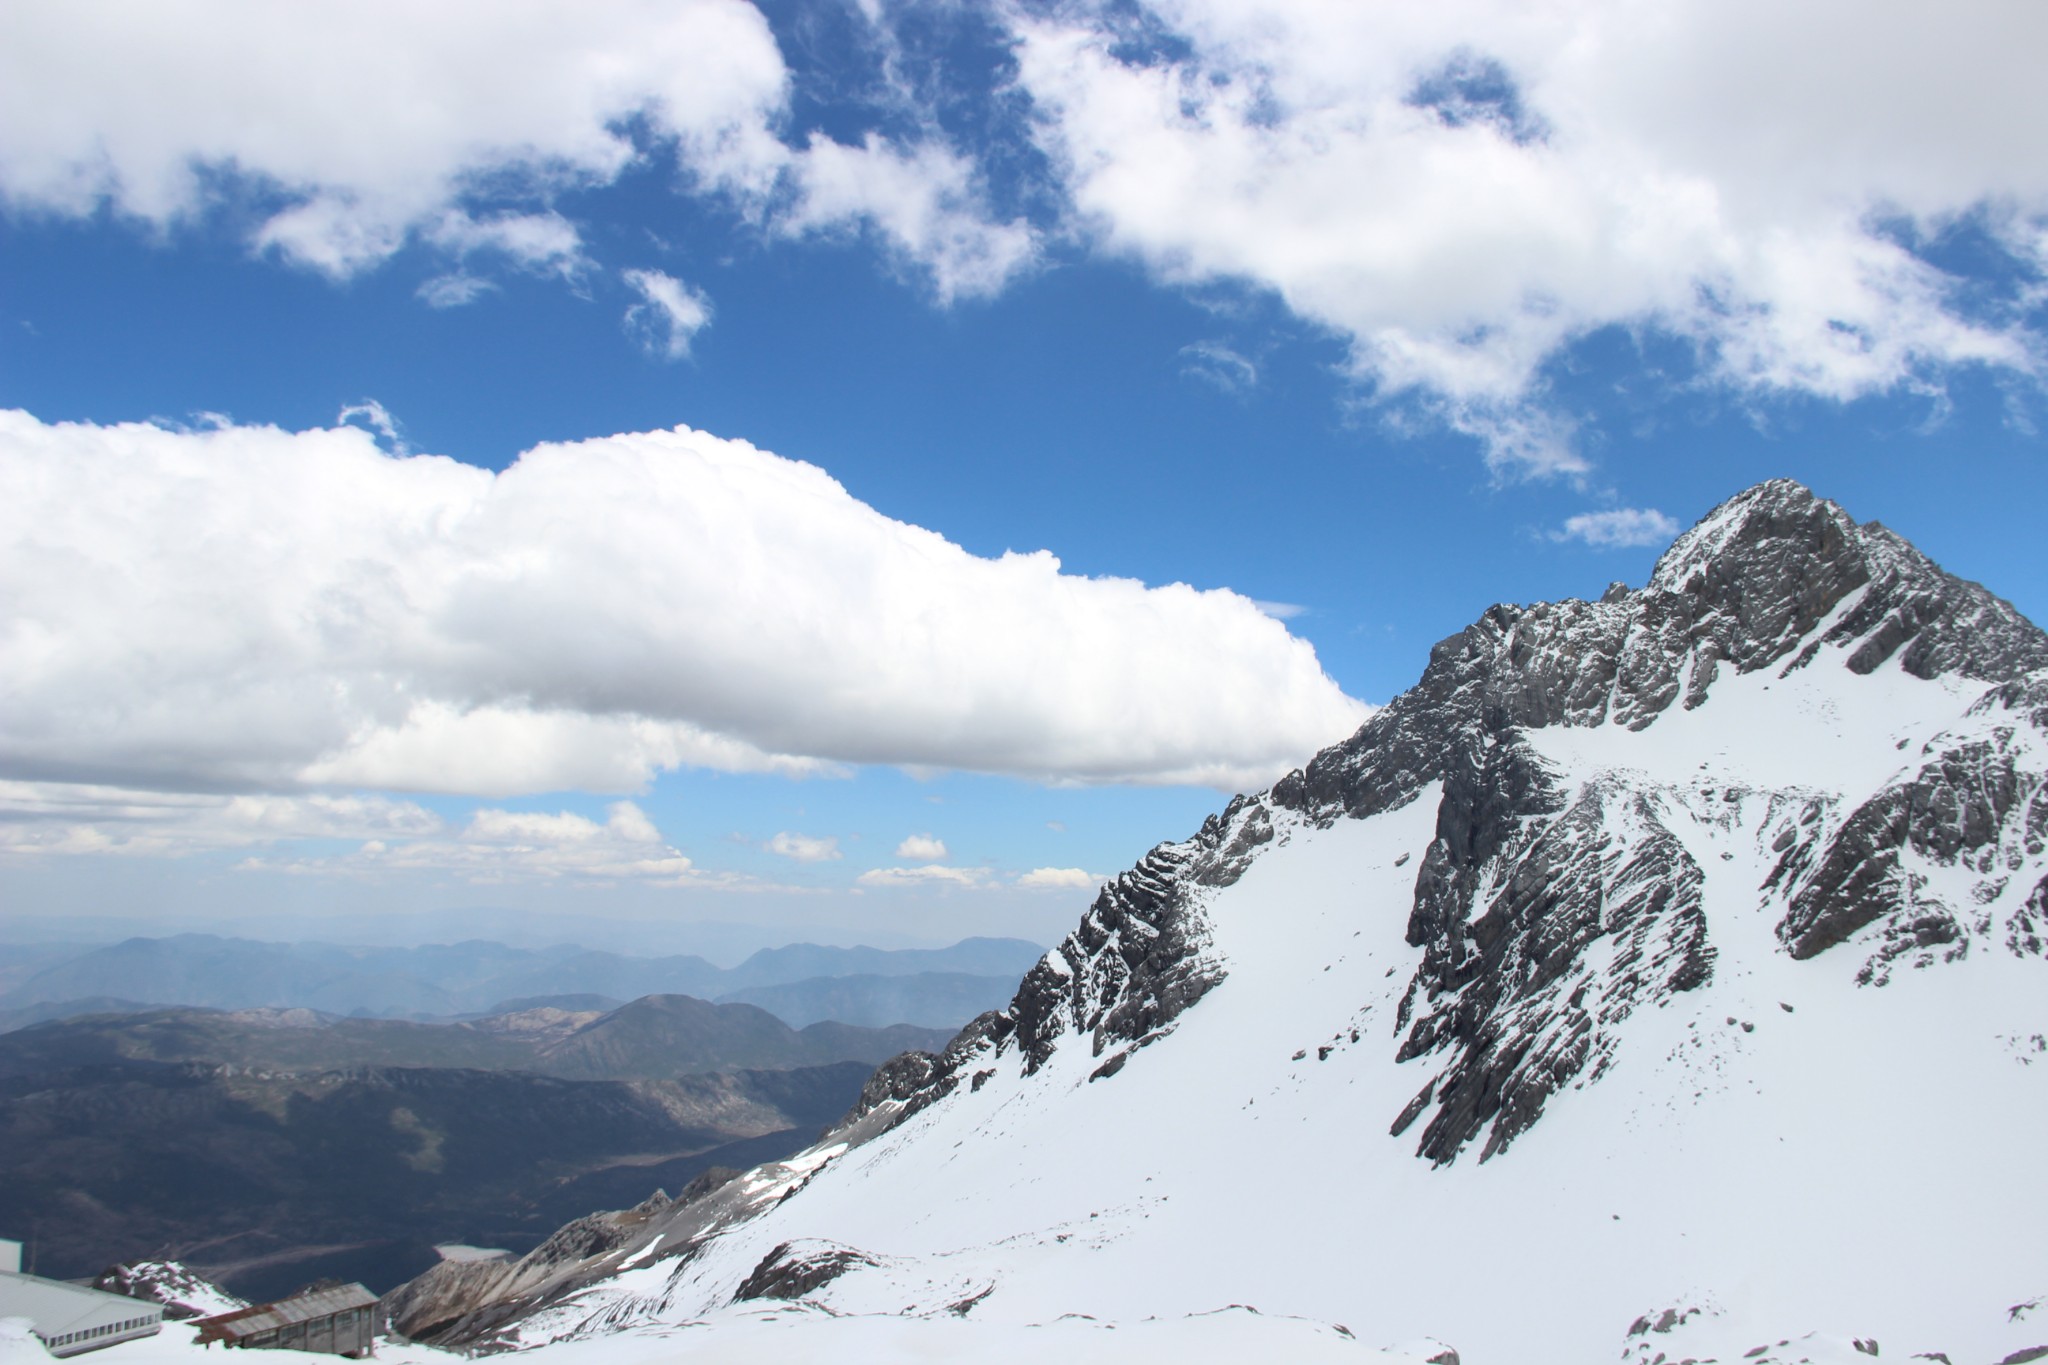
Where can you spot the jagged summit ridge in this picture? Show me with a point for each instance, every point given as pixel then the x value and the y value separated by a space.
pixel 1768 566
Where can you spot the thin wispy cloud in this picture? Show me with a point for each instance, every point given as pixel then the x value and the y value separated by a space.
pixel 1219 366
pixel 924 205
pixel 454 289
pixel 371 414
pixel 928 875
pixel 66 818
pixel 545 242
pixel 669 314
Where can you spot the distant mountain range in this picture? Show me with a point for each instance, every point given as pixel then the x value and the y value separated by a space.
pixel 931 987
pixel 657 1037
pixel 269 1146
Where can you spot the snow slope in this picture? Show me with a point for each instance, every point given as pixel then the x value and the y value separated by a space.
pixel 1661 978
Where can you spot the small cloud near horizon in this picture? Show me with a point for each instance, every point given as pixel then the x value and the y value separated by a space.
pixel 1058 879
pixel 930 874
pixel 1620 528
pixel 804 848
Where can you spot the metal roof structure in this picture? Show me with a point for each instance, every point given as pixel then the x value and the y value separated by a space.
pixel 70 1318
pixel 266 1317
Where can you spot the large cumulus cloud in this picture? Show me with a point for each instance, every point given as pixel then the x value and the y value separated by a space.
pixel 1462 190
pixel 342 130
pixel 249 608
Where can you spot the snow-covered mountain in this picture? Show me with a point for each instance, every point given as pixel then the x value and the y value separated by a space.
pixel 183 1292
pixel 1660 978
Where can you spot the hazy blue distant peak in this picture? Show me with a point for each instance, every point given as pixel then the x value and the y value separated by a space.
pixel 441 980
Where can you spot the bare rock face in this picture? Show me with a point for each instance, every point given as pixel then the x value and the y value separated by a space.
pixel 1977 803
pixel 1504 989
pixel 792 1270
pixel 1138 960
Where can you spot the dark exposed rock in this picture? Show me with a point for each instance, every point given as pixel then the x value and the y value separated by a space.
pixel 2027 934
pixel 1978 800
pixel 1503 987
pixel 464 1302
pixel 1135 961
pixel 792 1270
pixel 1132 967
pixel 896 1079
pixel 184 1293
pixel 704 1183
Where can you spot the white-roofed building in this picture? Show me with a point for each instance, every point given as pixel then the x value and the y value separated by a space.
pixel 69 1318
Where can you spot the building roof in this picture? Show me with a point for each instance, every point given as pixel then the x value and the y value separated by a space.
pixel 263 1317
pixel 56 1307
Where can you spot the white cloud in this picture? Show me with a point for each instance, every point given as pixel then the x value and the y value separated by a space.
pixel 358 127
pixel 1219 366
pixel 930 874
pixel 1460 190
pixel 244 607
pixel 55 819
pixel 803 848
pixel 454 289
pixel 1280 611
pixel 138 107
pixel 1619 528
pixel 922 848
pixel 538 241
pixel 671 313
pixel 500 846
pixel 373 415
pixel 72 818
pixel 1058 879
pixel 924 203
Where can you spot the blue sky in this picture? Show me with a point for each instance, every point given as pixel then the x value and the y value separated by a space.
pixel 1370 318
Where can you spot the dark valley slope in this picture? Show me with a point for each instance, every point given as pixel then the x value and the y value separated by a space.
pixel 267 1146
pixel 265 1180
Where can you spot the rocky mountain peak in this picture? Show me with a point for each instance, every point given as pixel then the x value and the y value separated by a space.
pixel 1530 874
pixel 1780 522
pixel 1762 570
